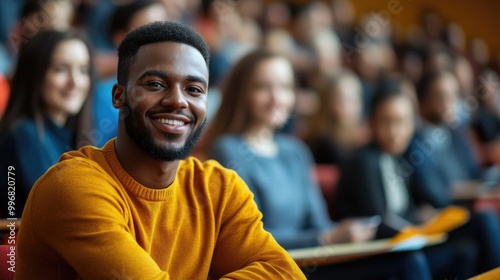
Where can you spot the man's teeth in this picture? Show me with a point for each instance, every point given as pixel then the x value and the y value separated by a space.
pixel 171 122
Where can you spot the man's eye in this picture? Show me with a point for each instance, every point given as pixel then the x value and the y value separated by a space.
pixel 154 84
pixel 194 89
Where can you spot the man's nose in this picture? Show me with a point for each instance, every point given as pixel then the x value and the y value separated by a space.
pixel 174 98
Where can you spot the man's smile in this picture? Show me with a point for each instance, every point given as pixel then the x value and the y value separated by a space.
pixel 174 124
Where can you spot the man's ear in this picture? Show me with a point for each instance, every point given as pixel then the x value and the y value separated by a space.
pixel 118 96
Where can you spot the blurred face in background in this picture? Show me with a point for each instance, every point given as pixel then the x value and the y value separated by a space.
pixel 345 103
pixel 315 18
pixel 327 48
pixel 271 93
pixel 343 13
pixel 67 81
pixel 465 76
pixel 393 124
pixel 276 15
pixel 438 60
pixel 60 14
pixel 366 63
pixel 156 12
pixel 413 66
pixel 53 15
pixel 440 102
pixel 489 90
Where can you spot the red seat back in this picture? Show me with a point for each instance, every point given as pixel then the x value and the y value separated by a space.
pixel 8 259
pixel 327 177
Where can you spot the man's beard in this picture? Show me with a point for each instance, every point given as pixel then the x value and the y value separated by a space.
pixel 144 138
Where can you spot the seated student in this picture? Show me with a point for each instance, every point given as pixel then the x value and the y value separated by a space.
pixel 337 128
pixel 441 155
pixel 134 208
pixel 367 63
pixel 440 150
pixel 125 18
pixel 486 119
pixel 257 100
pixel 376 182
pixel 369 183
pixel 47 113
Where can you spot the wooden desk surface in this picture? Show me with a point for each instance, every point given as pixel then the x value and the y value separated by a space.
pixel 337 253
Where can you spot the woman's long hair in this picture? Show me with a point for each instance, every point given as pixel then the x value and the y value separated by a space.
pixel 234 115
pixel 26 102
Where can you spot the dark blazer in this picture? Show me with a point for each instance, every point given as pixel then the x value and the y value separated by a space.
pixel 428 181
pixel 360 191
pixel 486 124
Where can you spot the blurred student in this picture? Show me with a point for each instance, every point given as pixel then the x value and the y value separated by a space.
pixel 376 181
pixel 31 17
pixel 370 181
pixel 441 150
pixel 48 112
pixel 410 62
pixel 442 156
pixel 41 15
pixel 344 14
pixel 337 128
pixel 486 119
pixel 327 50
pixel 257 99
pixel 371 63
pixel 125 18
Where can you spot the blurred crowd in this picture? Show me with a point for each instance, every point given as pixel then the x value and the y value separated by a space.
pixel 330 51
pixel 404 116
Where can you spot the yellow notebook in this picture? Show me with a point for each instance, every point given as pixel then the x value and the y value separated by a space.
pixel 447 220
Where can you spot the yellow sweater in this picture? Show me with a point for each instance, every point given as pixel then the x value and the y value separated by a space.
pixel 86 218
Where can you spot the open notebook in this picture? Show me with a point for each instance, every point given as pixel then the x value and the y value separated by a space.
pixel 410 238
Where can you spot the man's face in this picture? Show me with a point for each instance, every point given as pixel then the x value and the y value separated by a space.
pixel 166 99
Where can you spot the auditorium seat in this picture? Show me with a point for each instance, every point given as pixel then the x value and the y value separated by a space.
pixel 5 273
pixel 327 176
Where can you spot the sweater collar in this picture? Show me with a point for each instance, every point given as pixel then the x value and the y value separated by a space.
pixel 130 184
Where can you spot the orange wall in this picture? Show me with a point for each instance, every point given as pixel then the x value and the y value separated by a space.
pixel 480 18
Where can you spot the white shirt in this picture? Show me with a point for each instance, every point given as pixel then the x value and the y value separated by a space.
pixel 396 193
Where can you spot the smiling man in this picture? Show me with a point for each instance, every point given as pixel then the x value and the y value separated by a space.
pixel 135 209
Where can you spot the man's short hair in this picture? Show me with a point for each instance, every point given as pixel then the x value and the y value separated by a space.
pixel 155 32
pixel 388 88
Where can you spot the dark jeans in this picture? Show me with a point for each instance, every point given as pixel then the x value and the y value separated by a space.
pixel 401 265
pixel 453 260
pixel 484 229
